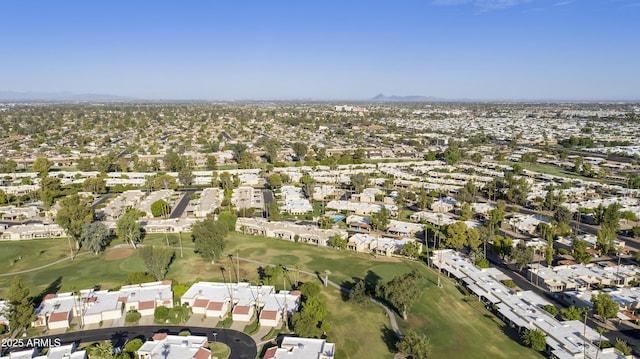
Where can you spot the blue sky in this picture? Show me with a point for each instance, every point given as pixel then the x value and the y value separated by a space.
pixel 343 50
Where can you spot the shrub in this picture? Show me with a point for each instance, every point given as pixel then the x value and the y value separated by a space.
pixel 133 345
pixel 132 316
pixel 160 314
pixel 509 283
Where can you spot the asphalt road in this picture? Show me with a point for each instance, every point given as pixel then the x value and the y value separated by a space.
pixel 622 331
pixel 182 205
pixel 242 346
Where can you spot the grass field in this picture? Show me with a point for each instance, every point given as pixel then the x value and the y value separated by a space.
pixel 457 326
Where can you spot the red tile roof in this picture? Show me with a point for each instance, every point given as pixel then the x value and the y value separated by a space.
pixel 241 309
pixel 268 314
pixel 296 292
pixel 158 336
pixel 200 303
pixel 147 305
pixel 270 353
pixel 202 353
pixel 49 296
pixel 215 306
pixel 59 317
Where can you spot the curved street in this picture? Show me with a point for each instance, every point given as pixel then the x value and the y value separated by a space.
pixel 242 346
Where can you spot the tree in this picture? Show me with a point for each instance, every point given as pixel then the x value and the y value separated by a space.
pixel 623 347
pixel 473 238
pixel 522 255
pixel 8 166
pixel 95 185
pixel 562 215
pixel 185 175
pixel 502 246
pixel 19 310
pixel 165 182
pixel 605 239
pixel 415 345
pixel 274 180
pixel 212 163
pixel 466 212
pixel 551 309
pixel 160 208
pixel 315 307
pixel 534 338
pixel 359 181
pixel 229 219
pixel 274 211
pixel 305 325
pixel 133 345
pixel 300 149
pixel 172 161
pixel 579 251
pixel 50 188
pixel 41 165
pixel 4 197
pixel 380 220
pixel 74 213
pixel 209 238
pixel 103 350
pixel 424 201
pixel 411 249
pixel 358 294
pixel 572 313
pixel 401 291
pixel 604 306
pixel 456 235
pixel 451 154
pixel 95 237
pixel 157 260
pixel 338 242
pixel 128 229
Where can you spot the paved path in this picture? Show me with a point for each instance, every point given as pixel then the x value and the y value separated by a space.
pixel 62 260
pixel 390 313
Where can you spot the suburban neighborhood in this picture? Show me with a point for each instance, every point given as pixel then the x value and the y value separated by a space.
pixel 280 220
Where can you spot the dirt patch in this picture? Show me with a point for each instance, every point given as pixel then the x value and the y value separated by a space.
pixel 118 253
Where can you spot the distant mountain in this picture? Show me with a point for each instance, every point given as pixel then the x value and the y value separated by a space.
pixel 394 98
pixel 60 96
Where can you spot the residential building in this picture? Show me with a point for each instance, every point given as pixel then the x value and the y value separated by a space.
pixel 301 348
pixel 175 347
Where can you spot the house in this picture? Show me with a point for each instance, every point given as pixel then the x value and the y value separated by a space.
pixel 358 223
pixel 175 347
pixel 56 311
pixel 146 297
pixel 288 231
pixel 99 306
pixel 524 309
pixel 443 205
pixel 277 307
pixel 210 199
pixel 295 347
pixel 68 351
pixel 242 300
pixel 33 231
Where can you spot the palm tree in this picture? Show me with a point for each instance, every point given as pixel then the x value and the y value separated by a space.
pixel 601 331
pixel 104 350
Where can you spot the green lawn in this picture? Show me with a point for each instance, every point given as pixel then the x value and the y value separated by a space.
pixel 460 327
pixel 19 255
pixel 457 326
